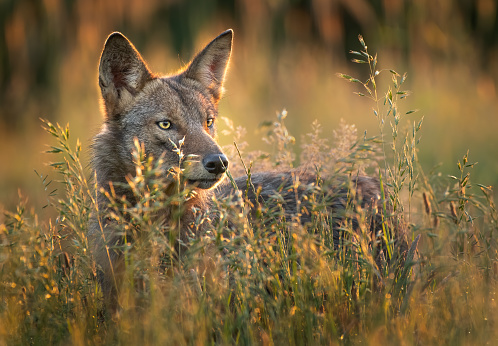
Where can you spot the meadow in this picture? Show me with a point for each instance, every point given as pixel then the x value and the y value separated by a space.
pixel 266 279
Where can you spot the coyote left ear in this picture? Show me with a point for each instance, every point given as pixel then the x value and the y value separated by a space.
pixel 210 65
pixel 122 74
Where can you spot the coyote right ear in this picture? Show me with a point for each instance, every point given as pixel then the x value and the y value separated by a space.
pixel 210 65
pixel 122 73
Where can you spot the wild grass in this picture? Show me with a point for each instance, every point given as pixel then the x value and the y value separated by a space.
pixel 257 276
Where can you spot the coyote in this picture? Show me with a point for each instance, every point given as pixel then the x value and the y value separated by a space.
pixel 161 111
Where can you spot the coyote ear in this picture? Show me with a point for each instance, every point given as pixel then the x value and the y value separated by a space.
pixel 210 65
pixel 122 73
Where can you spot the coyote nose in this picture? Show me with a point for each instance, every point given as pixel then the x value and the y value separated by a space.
pixel 215 163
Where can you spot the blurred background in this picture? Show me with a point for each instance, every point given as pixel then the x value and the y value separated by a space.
pixel 286 55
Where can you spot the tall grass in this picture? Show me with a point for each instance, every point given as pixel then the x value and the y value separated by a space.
pixel 257 275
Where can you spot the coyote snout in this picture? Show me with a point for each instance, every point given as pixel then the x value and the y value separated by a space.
pixel 204 163
pixel 206 171
pixel 214 164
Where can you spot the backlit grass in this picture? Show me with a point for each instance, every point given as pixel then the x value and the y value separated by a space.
pixel 259 277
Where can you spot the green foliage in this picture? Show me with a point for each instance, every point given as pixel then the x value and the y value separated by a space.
pixel 255 275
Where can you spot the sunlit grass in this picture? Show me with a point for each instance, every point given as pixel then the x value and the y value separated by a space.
pixel 259 277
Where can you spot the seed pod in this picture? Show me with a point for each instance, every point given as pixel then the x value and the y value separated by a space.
pixel 427 204
pixel 453 211
pixel 435 223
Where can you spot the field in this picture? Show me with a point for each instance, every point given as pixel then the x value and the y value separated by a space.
pixel 266 279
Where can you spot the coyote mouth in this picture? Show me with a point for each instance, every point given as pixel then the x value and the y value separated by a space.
pixel 204 183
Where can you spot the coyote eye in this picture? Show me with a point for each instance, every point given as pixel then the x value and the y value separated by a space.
pixel 210 122
pixel 164 124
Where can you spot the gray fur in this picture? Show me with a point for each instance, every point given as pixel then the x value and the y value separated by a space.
pixel 265 186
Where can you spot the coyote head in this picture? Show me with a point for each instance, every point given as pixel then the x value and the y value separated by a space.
pixel 161 111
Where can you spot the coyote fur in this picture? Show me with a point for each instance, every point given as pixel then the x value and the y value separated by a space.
pixel 161 111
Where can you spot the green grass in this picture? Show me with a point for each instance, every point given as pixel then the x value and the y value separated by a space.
pixel 263 278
